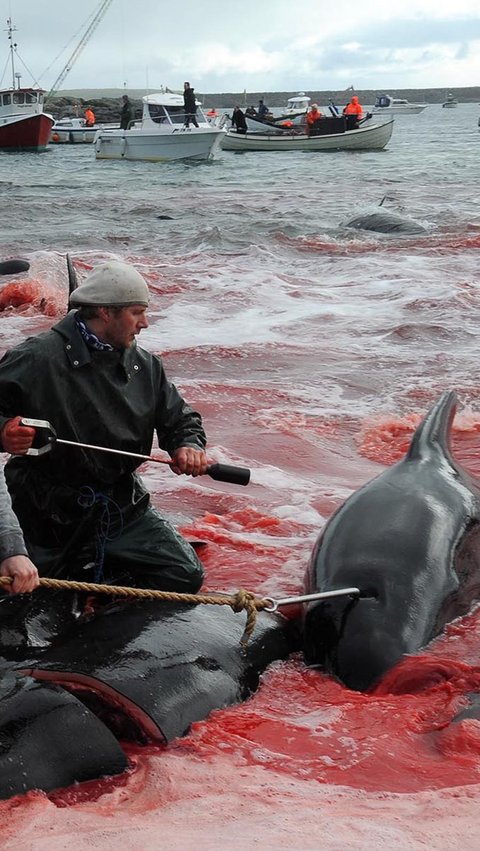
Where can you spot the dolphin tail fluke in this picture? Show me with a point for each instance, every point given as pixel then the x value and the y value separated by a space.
pixel 433 433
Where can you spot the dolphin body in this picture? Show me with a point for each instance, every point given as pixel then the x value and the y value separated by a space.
pixel 139 670
pixel 410 541
pixel 150 669
pixel 48 739
pixel 384 221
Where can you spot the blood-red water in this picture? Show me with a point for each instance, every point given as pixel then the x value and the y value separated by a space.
pixel 312 355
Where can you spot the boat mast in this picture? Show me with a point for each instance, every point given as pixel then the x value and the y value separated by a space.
pixel 13 47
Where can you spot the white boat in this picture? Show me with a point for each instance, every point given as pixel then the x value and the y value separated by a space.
pixel 450 102
pixel 24 126
pixel 387 105
pixel 367 137
pixel 75 131
pixel 297 104
pixel 161 134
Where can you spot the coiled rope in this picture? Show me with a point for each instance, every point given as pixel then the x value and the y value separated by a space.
pixel 241 600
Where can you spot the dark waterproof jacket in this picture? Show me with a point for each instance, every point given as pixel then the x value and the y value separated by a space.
pixel 114 399
pixel 126 115
pixel 189 101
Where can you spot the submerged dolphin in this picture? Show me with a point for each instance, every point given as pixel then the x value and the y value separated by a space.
pixel 410 541
pixel 384 221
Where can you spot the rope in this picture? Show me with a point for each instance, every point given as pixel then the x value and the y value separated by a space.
pixel 89 498
pixel 237 602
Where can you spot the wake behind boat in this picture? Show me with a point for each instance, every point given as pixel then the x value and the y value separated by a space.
pixel 333 135
pixel 161 134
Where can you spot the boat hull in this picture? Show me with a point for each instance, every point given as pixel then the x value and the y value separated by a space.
pixel 29 133
pixel 150 146
pixel 369 137
pixel 410 109
pixel 73 136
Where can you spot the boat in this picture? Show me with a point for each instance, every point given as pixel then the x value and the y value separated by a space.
pixel 293 114
pixel 74 131
pixel 450 102
pixel 24 126
pixel 160 135
pixel 396 106
pixel 335 134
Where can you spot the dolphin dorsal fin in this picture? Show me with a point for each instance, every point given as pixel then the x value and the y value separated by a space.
pixel 433 434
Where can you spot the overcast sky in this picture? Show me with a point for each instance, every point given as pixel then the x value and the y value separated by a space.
pixel 257 45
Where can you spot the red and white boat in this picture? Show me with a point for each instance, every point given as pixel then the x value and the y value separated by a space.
pixel 24 126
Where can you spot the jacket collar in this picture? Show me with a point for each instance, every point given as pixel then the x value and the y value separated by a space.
pixel 78 352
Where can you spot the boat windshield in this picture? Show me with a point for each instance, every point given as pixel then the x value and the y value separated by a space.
pixel 170 114
pixel 382 100
pixel 22 98
pixel 158 113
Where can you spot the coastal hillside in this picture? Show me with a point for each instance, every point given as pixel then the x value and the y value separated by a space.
pixel 106 103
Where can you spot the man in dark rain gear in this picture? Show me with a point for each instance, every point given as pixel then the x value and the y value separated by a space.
pixel 190 105
pixel 84 508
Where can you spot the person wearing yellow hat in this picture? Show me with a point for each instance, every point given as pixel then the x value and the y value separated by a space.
pixel 87 514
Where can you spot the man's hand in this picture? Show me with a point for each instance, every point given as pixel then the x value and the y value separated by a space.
pixel 23 572
pixel 17 438
pixel 192 462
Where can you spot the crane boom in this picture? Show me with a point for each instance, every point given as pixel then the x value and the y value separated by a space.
pixel 81 44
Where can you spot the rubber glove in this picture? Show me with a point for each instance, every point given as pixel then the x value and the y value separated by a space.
pixel 17 438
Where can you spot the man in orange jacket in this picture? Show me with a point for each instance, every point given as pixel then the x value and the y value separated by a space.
pixel 312 115
pixel 353 108
pixel 89 117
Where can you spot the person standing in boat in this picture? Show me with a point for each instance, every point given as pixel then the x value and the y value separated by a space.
pixel 14 561
pixel 126 115
pixel 262 109
pixel 190 105
pixel 89 117
pixel 354 107
pixel 86 513
pixel 239 120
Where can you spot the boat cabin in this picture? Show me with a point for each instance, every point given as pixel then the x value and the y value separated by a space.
pixel 168 109
pixel 384 100
pixel 299 103
pixel 20 102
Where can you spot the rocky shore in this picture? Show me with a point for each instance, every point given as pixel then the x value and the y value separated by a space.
pixel 107 108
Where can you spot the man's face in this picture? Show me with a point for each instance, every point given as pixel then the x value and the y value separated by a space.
pixel 122 326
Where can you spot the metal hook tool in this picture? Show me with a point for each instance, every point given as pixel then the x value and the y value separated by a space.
pixel 219 472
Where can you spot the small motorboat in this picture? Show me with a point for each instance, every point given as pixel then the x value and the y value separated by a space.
pixel 337 133
pixel 161 135
pixel 450 102
pixel 24 126
pixel 73 131
pixel 396 106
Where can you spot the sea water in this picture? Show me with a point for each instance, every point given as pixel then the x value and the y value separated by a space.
pixel 312 351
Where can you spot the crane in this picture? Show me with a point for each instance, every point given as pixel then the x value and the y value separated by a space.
pixel 81 44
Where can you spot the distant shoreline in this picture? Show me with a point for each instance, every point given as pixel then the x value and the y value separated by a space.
pixel 470 94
